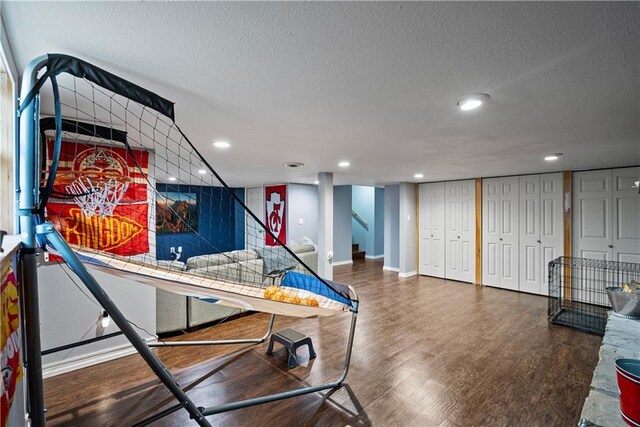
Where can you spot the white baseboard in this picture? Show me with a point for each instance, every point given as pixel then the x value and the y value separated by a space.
pixel 394 269
pixel 374 256
pixel 74 363
pixel 350 261
pixel 408 274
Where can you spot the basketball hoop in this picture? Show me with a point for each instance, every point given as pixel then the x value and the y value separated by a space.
pixel 97 198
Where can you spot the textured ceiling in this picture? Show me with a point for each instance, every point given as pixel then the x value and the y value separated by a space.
pixel 373 83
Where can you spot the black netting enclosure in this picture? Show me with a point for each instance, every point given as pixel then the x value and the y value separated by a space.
pixel 578 290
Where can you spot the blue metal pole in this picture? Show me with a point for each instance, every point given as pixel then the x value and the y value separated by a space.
pixel 27 190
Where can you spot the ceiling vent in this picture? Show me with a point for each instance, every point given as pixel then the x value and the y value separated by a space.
pixel 293 165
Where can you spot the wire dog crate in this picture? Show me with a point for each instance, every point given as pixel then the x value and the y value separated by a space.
pixel 577 290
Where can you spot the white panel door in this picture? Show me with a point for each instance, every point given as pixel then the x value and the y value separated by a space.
pixel 424 228
pixel 490 231
pixel 592 221
pixel 592 230
pixel 432 230
pixel 541 229
pixel 626 215
pixel 551 224
pixel 438 231
pixel 254 234
pixel 509 232
pixel 500 232
pixel 530 271
pixel 452 222
pixel 460 230
pixel 467 231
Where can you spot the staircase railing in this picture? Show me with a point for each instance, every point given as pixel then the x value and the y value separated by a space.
pixel 360 219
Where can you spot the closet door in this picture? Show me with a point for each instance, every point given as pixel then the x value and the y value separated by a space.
pixel 467 231
pixel 551 224
pixel 460 230
pixel 490 232
pixel 592 215
pixel 500 232
pixel 432 229
pixel 626 215
pixel 437 230
pixel 424 210
pixel 452 232
pixel 509 233
pixel 530 271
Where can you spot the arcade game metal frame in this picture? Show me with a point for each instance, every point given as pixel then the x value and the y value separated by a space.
pixel 36 234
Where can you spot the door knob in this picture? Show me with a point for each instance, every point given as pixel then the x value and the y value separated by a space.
pixel 539 241
pixel 458 237
pixel 432 235
pixel 611 246
pixel 501 239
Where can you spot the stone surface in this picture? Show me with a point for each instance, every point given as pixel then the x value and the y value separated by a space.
pixel 621 340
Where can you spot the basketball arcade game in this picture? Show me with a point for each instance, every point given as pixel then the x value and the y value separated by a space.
pixel 100 192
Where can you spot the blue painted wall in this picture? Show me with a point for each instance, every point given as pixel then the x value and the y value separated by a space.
pixel 379 225
pixel 220 223
pixel 392 226
pixel 341 223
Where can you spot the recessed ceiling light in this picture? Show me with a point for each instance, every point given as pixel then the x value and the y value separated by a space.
pixel 344 164
pixel 418 175
pixel 293 165
pixel 202 172
pixel 552 157
pixel 172 178
pixel 473 101
pixel 316 182
pixel 221 144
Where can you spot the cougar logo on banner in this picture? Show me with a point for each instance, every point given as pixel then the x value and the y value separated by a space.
pixel 276 220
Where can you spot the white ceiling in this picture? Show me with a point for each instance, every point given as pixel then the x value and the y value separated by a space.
pixel 373 83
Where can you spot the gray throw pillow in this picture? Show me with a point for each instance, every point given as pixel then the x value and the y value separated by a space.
pixel 276 259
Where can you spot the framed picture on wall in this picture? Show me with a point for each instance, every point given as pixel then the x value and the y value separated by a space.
pixel 176 212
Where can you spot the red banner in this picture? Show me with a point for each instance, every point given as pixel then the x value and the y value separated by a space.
pixel 9 341
pixel 99 163
pixel 126 231
pixel 276 215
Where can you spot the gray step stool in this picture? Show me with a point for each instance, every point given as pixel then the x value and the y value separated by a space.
pixel 291 339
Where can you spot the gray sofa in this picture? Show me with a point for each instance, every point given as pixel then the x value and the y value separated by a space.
pixel 176 312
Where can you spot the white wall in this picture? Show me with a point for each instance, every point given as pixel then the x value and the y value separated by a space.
pixel 302 204
pixel 68 316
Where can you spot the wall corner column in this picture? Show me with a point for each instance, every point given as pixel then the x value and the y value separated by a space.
pixel 407 217
pixel 325 225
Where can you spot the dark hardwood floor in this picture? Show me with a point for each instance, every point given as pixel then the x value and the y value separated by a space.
pixel 428 352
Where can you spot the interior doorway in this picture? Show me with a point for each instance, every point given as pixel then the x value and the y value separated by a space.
pixel 367 222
